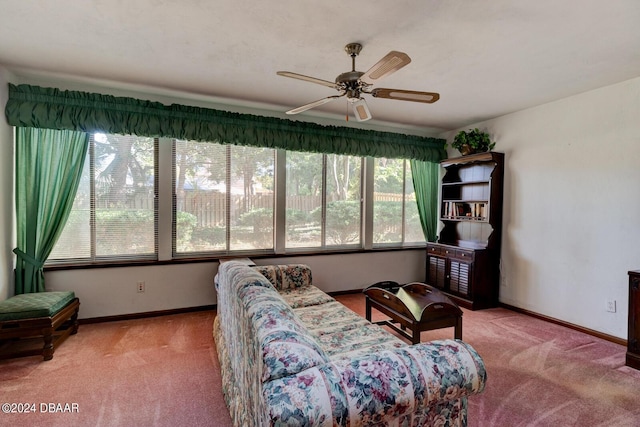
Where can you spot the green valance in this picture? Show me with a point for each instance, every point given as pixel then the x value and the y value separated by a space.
pixel 51 108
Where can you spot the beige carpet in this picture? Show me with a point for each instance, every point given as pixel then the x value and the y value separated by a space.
pixel 164 371
pixel 159 371
pixel 542 374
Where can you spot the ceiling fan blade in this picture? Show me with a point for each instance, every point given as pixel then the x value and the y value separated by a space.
pixel 391 63
pixel 406 95
pixel 314 104
pixel 308 79
pixel 361 110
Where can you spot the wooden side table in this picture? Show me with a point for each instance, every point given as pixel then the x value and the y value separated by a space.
pixel 416 307
pixel 633 342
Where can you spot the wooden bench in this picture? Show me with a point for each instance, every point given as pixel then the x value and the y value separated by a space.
pixel 43 320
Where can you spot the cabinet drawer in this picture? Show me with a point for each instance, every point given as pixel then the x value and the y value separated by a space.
pixel 462 254
pixel 448 252
pixel 432 249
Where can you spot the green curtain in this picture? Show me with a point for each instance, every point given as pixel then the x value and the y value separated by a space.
pixel 51 108
pixel 48 168
pixel 426 176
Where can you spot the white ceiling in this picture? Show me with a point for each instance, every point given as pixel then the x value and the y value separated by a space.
pixel 485 58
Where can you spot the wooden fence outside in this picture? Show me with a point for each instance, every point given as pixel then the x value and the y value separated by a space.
pixel 209 208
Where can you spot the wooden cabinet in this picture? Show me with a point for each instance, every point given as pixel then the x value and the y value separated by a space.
pixel 633 342
pixel 465 262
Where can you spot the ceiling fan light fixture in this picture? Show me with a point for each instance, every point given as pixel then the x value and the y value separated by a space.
pixel 361 110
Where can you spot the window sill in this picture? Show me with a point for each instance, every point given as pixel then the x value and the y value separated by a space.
pixel 216 257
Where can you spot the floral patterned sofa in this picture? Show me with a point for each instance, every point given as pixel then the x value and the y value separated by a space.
pixel 292 355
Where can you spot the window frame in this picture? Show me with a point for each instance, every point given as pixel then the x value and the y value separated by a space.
pixel 324 247
pixel 93 257
pixel 226 251
pixel 164 202
pixel 403 243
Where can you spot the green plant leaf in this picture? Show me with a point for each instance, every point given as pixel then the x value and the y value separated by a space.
pixel 476 139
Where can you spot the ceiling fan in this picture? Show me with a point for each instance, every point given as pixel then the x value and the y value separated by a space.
pixel 353 84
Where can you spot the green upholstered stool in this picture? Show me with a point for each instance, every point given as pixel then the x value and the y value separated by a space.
pixel 51 316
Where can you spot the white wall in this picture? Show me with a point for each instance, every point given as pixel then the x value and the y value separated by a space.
pixel 112 291
pixel 572 205
pixel 7 237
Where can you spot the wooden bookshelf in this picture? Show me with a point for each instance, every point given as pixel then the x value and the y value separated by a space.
pixel 465 261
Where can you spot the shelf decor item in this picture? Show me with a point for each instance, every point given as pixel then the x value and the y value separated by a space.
pixel 472 141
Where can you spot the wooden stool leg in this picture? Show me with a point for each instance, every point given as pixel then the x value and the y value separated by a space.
pixel 47 350
pixel 458 328
pixel 74 322
pixel 415 334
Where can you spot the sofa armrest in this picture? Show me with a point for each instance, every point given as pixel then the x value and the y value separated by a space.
pixel 414 382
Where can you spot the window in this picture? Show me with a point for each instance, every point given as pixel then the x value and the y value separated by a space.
pixel 114 212
pixel 304 200
pixel 343 223
pixel 218 199
pixel 224 197
pixel 395 213
pixel 412 228
pixel 323 200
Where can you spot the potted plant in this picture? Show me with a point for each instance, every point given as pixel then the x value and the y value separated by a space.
pixel 472 141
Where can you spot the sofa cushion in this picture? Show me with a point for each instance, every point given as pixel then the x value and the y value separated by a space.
pixel 305 296
pixel 286 345
pixel 288 352
pixel 289 276
pixel 343 333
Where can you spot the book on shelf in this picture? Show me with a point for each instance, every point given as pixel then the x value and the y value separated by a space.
pixel 462 210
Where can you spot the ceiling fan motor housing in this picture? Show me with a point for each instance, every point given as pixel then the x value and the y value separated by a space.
pixel 353 49
pixel 351 83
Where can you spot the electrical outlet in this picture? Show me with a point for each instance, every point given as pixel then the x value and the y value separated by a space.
pixel 611 305
pixel 141 286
